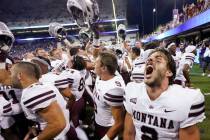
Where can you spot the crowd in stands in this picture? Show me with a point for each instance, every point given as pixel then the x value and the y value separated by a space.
pixel 19 50
pixel 39 17
pixel 182 15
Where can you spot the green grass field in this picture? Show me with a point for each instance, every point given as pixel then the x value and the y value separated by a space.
pixel 203 83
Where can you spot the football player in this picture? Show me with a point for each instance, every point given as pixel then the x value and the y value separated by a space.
pixel 186 63
pixel 41 103
pixel 157 109
pixel 108 98
pixel 6 107
pixel 137 74
pixel 172 50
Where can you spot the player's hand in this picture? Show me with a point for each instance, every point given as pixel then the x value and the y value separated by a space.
pixel 105 138
pixel 187 84
pixel 31 133
pixel 127 60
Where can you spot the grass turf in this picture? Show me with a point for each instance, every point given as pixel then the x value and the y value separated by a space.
pixel 203 83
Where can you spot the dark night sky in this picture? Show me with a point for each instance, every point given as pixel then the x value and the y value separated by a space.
pixel 164 12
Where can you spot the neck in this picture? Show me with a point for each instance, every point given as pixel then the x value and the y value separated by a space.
pixel 156 91
pixel 106 77
pixel 29 82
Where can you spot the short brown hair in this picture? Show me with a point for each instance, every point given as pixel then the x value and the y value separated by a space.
pixel 109 60
pixel 30 69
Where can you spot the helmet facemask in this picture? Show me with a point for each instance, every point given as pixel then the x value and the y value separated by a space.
pixel 5 43
pixel 78 15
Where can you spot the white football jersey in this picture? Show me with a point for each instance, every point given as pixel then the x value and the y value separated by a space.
pixel 49 78
pixel 175 108
pixel 5 112
pixel 106 94
pixel 187 58
pixel 56 63
pixel 87 76
pixel 74 79
pixel 38 96
pixel 12 95
pixel 177 60
pixel 137 75
pixel 138 62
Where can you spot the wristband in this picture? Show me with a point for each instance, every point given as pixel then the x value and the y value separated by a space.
pixel 105 138
pixel 36 138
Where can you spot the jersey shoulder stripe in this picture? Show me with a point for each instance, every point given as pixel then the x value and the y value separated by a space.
pixel 37 97
pixel 113 96
pixel 7 108
pixel 31 106
pixel 113 100
pixel 197 106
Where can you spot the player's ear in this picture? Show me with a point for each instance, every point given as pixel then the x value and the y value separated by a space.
pixel 104 68
pixel 169 73
pixel 19 76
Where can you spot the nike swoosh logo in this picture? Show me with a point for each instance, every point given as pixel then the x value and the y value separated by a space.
pixel 167 111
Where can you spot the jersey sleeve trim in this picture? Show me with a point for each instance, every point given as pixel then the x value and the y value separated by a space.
pixel 61 84
pixel 195 114
pixel 7 108
pixel 113 98
pixel 197 110
pixel 31 106
pixel 197 106
pixel 37 97
pixel 64 82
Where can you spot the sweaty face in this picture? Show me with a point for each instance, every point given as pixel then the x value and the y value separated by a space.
pixel 155 70
pixel 15 80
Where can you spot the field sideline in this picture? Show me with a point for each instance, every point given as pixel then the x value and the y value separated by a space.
pixel 203 83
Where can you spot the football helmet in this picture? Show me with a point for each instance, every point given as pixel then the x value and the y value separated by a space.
pixel 84 35
pixel 121 29
pixel 83 11
pixel 57 30
pixel 6 38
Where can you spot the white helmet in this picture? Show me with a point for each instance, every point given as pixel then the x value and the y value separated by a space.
pixel 84 35
pixel 121 29
pixel 92 11
pixel 6 37
pixel 57 30
pixel 83 11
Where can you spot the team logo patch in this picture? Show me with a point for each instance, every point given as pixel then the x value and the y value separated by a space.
pixel 133 100
pixel 167 111
pixel 118 83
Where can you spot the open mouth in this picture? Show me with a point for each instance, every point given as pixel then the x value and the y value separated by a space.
pixel 149 70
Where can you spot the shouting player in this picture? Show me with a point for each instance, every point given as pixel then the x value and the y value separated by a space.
pixel 157 109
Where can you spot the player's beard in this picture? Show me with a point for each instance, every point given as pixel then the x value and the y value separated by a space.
pixel 156 79
pixel 16 83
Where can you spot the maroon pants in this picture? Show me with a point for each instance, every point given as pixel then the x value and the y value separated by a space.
pixel 71 134
pixel 100 131
pixel 77 109
pixel 178 82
